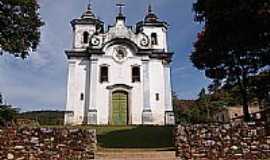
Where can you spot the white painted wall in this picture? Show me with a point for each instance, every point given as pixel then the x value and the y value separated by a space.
pixel 119 73
pixel 78 35
pixel 76 86
pixel 156 87
pixel 161 36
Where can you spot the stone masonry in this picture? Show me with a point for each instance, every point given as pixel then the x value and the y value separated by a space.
pixel 47 143
pixel 239 141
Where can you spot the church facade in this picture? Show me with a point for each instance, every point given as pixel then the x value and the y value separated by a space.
pixel 120 76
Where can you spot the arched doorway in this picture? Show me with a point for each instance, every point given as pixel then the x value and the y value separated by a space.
pixel 119 108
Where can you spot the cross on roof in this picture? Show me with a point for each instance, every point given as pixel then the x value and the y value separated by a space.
pixel 120 5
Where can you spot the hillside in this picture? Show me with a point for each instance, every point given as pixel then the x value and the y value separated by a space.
pixel 44 117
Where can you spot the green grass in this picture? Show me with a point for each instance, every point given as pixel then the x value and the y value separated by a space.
pixel 135 137
pixel 132 137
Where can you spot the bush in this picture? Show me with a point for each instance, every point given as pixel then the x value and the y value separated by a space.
pixel 7 114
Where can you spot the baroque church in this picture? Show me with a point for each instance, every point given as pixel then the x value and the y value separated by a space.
pixel 119 76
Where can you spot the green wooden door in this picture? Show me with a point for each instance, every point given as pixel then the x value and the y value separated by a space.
pixel 119 108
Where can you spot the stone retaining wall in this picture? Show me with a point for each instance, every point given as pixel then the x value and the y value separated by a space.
pixel 239 141
pixel 47 144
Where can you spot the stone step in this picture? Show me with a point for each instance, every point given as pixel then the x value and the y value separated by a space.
pixel 135 155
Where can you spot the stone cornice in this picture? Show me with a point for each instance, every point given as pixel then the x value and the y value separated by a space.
pixel 76 53
pixel 86 21
pixel 151 24
pixel 119 86
pixel 152 53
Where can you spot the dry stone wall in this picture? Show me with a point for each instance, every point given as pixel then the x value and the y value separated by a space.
pixel 236 141
pixel 47 144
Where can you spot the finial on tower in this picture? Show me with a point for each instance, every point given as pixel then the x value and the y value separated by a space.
pixel 150 9
pixel 88 13
pixel 150 17
pixel 89 5
pixel 120 6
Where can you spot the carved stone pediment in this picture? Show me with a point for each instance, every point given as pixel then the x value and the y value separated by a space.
pixel 120 31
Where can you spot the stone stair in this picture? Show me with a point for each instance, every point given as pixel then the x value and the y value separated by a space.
pixel 125 154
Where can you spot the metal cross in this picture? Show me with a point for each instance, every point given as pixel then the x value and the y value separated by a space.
pixel 120 5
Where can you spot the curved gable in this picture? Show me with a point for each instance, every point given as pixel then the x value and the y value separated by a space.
pixel 120 33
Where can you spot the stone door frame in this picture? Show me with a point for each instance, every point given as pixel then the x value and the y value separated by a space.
pixel 120 88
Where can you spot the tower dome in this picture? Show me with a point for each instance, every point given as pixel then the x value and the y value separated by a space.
pixel 88 18
pixel 151 20
pixel 150 17
pixel 88 14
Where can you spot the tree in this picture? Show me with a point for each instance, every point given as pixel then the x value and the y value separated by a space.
pixel 267 101
pixel 1 98
pixel 204 101
pixel 7 114
pixel 234 44
pixel 20 27
pixel 260 87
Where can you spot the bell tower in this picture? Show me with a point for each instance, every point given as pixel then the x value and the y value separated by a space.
pixel 84 27
pixel 155 29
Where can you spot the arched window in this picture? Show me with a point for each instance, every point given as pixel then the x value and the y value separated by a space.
pixel 104 71
pixel 85 37
pixel 154 39
pixel 136 74
pixel 82 96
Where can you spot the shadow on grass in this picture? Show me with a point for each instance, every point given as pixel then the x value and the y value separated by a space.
pixel 137 137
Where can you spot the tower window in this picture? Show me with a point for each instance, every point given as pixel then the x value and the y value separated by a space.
pixel 85 37
pixel 104 74
pixel 154 39
pixel 82 96
pixel 136 74
pixel 157 97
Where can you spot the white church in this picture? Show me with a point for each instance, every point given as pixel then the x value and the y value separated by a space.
pixel 119 76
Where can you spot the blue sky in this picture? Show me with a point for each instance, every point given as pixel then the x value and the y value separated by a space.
pixel 39 82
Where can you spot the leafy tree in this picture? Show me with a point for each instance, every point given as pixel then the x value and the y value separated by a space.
pixel 1 99
pixel 211 103
pixel 202 109
pixel 234 44
pixel 20 26
pixel 182 108
pixel 226 98
pixel 7 114
pixel 204 101
pixel 260 87
pixel 267 101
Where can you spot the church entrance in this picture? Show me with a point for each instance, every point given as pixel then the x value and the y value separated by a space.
pixel 119 108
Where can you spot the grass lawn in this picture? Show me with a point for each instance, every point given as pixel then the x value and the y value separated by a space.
pixel 133 137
